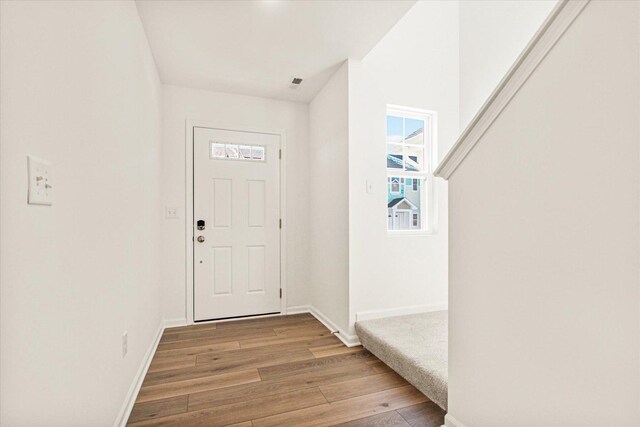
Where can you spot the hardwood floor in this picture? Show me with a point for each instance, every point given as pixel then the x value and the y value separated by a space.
pixel 276 371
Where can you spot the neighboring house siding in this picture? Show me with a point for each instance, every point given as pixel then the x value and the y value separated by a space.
pixel 406 190
pixel 412 196
pixel 399 201
pixel 391 196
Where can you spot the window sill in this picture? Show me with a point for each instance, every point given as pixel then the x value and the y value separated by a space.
pixel 410 233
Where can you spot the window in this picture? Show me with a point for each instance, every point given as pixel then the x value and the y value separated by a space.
pixel 395 185
pixel 409 144
pixel 220 150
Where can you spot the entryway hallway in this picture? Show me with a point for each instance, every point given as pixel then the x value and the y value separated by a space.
pixel 273 371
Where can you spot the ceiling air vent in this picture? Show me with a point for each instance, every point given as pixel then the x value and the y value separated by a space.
pixel 295 83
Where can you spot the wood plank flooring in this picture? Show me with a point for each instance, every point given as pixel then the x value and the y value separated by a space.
pixel 275 371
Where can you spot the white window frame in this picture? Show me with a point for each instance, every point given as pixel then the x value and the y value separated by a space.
pixel 428 210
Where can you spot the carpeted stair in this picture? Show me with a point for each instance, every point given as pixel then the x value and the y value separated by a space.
pixel 415 346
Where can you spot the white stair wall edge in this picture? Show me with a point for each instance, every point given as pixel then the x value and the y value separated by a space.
pixel 348 340
pixel 556 24
pixel 127 406
pixel 401 311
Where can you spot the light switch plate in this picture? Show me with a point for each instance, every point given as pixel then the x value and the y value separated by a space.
pixel 369 186
pixel 40 181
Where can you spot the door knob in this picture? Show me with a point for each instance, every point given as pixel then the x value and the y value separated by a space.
pixel 200 239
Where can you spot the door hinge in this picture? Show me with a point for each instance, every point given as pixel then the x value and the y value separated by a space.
pixel 280 293
pixel 280 223
pixel 280 154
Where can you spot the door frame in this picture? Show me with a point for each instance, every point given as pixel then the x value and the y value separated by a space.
pixel 189 218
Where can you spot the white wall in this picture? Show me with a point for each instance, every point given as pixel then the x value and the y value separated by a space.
pixel 180 104
pixel 414 65
pixel 544 318
pixel 78 88
pixel 493 33
pixel 329 204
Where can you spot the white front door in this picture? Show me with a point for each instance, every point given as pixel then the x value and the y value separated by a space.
pixel 403 220
pixel 236 203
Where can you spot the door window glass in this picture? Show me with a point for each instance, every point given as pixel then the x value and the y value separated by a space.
pixel 224 151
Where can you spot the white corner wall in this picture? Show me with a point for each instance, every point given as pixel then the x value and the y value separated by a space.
pixel 180 104
pixel 78 88
pixel 544 311
pixel 414 65
pixel 329 204
pixel 493 33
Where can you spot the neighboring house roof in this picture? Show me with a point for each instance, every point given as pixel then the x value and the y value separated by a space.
pixel 415 133
pixel 412 164
pixel 395 162
pixel 395 202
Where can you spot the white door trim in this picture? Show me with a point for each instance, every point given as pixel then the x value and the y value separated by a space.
pixel 189 125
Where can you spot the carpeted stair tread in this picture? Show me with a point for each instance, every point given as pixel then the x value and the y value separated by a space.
pixel 415 346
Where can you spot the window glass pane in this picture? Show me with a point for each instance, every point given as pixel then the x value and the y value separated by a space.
pixel 394 186
pixel 414 159
pixel 414 131
pixel 394 156
pixel 407 168
pixel 232 151
pixel 245 152
pixel 217 150
pixel 394 129
pixel 239 152
pixel 257 152
pixel 403 204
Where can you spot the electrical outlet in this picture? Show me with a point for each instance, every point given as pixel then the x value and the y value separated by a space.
pixel 124 344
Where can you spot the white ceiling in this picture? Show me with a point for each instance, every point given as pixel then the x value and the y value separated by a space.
pixel 256 47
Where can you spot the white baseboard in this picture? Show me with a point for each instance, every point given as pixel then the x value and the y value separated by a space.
pixel 449 421
pixel 174 323
pixel 123 416
pixel 391 312
pixel 299 309
pixel 348 340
